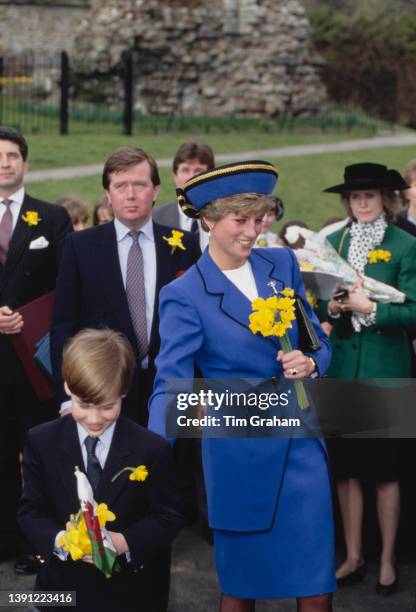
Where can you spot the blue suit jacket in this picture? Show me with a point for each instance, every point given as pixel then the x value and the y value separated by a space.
pixel 204 321
pixel 147 513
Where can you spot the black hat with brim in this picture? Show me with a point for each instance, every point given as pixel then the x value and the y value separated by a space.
pixel 369 176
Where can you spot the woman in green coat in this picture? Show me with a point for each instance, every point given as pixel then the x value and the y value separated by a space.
pixel 370 340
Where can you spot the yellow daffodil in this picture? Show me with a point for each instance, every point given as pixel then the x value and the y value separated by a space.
pixel 312 299
pixel 69 541
pixel 31 217
pixel 175 240
pixel 285 303
pixel 305 266
pixel 104 514
pixel 139 473
pixel 273 317
pixel 379 255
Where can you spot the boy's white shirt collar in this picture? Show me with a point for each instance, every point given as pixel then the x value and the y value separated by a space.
pixel 105 438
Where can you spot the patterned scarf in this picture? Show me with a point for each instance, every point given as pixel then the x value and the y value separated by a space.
pixel 364 238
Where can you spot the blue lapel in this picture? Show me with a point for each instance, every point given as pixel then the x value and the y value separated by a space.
pixel 233 303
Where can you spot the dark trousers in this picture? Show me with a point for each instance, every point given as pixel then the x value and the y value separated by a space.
pixel 20 410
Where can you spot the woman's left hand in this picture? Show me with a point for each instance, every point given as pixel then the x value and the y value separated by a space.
pixel 295 364
pixel 357 299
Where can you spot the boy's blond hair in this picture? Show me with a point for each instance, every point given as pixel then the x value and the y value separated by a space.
pixel 98 365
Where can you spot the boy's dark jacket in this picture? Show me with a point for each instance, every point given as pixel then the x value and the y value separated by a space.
pixel 147 513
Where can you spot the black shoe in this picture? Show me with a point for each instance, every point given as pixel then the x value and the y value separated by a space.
pixel 388 589
pixel 354 577
pixel 26 564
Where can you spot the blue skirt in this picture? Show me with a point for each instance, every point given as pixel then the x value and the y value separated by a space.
pixel 295 557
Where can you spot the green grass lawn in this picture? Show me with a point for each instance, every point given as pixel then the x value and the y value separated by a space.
pixel 301 181
pixel 53 151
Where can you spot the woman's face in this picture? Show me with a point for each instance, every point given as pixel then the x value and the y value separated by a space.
pixel 410 195
pixel 268 220
pixel 233 237
pixel 366 204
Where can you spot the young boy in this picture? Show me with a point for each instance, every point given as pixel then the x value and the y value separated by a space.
pixel 97 368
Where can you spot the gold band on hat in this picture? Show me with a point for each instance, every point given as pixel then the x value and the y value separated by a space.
pixel 233 169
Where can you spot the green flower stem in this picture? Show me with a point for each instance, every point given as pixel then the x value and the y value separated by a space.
pixel 299 386
pixel 130 469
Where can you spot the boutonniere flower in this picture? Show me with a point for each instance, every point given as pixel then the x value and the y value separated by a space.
pixel 273 317
pixel 31 217
pixel 378 255
pixel 312 299
pixel 175 240
pixel 139 473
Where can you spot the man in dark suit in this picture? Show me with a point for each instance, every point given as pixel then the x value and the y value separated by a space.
pixel 93 287
pixel 97 369
pixel 111 276
pixel 31 239
pixel 190 159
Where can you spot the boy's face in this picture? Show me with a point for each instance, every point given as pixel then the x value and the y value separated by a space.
pixel 95 419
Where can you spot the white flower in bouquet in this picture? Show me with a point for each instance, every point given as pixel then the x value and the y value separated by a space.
pixel 319 255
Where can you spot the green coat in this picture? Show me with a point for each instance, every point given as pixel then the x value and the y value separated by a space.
pixel 381 350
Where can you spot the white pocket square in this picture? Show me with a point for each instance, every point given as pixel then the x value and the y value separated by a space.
pixel 39 243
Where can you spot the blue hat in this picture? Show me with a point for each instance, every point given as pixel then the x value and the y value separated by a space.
pixel 224 181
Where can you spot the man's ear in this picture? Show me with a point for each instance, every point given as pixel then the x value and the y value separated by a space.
pixel 157 191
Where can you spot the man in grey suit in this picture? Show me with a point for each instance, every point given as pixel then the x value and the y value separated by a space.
pixel 190 159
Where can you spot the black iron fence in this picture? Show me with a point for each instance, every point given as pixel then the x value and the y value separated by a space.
pixel 42 92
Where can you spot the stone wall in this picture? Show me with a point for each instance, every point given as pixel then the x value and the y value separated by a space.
pixel 196 57
pixel 33 26
pixel 209 57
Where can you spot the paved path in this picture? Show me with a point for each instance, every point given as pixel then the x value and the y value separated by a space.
pixel 394 140
pixel 195 585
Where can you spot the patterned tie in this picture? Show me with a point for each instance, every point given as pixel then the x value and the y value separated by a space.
pixel 135 291
pixel 6 226
pixel 94 469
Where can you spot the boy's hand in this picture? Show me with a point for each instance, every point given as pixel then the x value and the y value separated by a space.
pixel 119 541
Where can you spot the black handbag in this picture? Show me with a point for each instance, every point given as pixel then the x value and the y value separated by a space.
pixel 308 338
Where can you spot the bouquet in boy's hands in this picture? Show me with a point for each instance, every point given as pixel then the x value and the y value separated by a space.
pixel 86 537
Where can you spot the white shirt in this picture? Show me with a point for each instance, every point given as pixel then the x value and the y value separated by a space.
pixel 103 444
pixel 147 245
pixel 185 223
pixel 243 279
pixel 15 207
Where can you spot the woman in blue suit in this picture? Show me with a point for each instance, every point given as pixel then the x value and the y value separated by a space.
pixel 269 499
